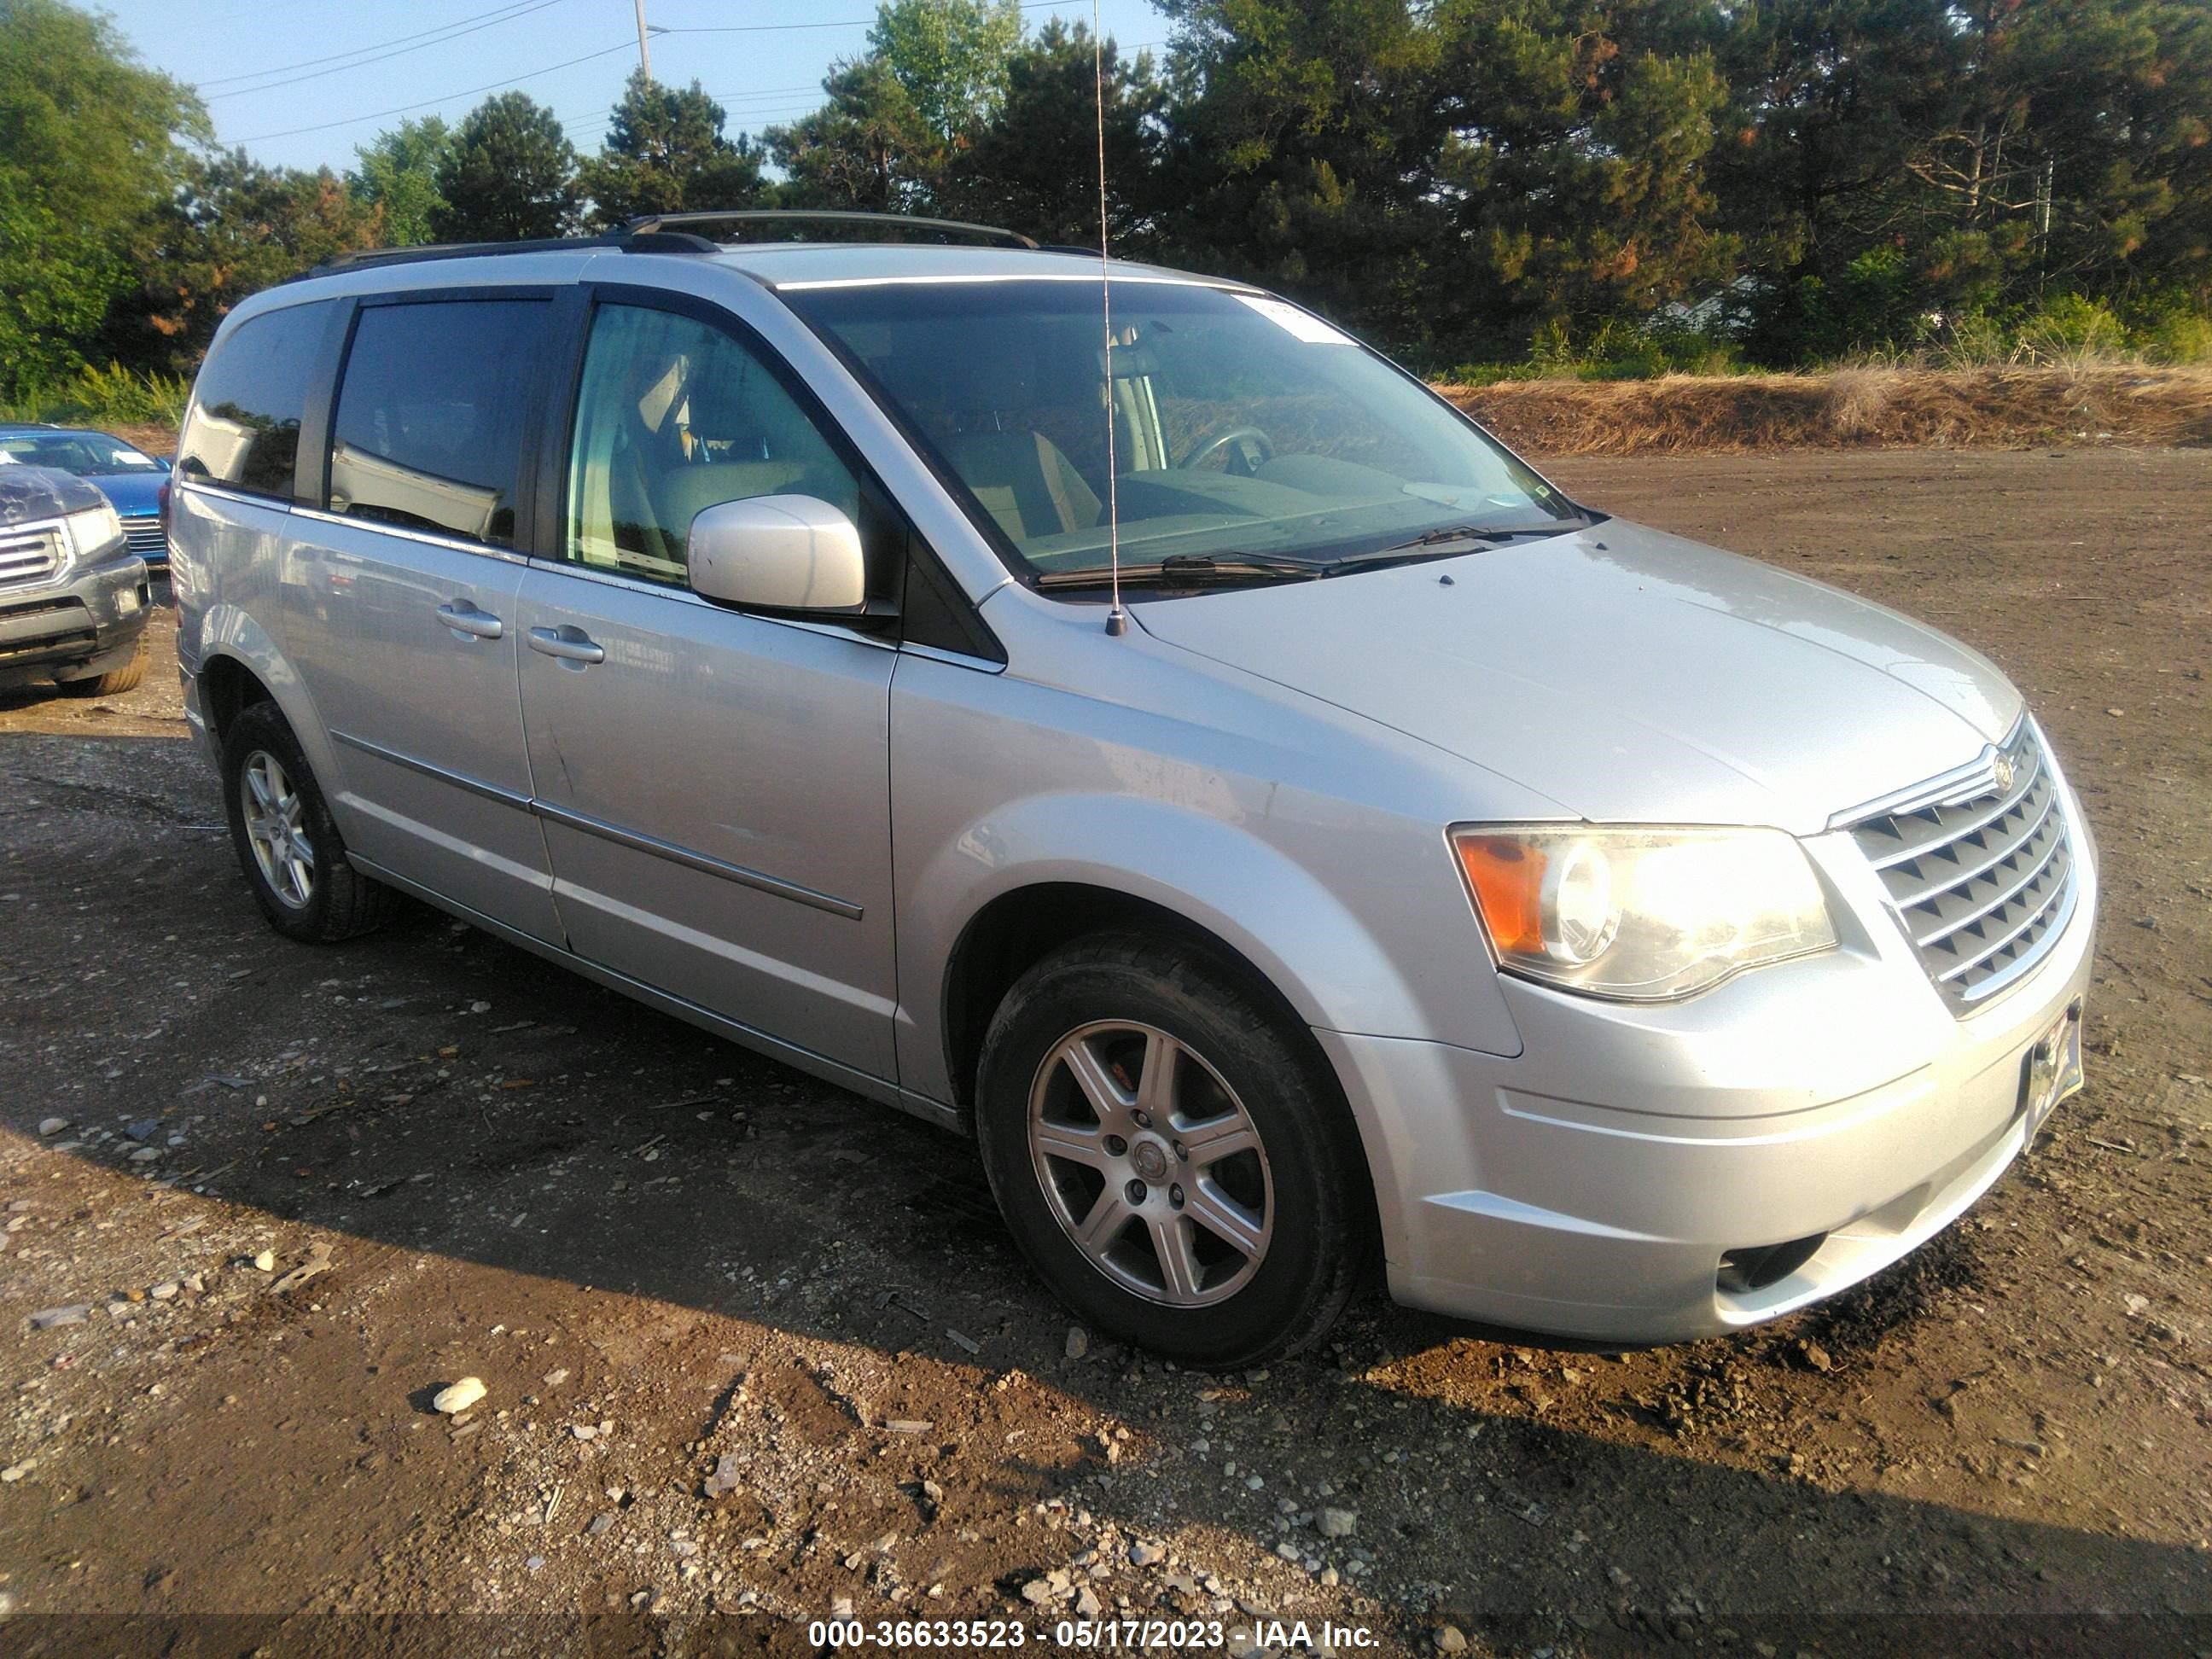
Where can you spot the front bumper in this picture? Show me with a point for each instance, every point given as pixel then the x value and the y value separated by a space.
pixel 85 623
pixel 1591 1186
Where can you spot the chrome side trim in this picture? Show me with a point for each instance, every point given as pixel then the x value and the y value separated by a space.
pixel 805 1060
pixel 954 658
pixel 636 841
pixel 201 487
pixel 428 538
pixel 458 780
pixel 670 591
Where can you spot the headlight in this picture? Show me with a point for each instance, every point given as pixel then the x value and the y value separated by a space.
pixel 92 531
pixel 1644 914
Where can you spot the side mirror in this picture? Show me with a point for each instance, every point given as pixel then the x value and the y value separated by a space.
pixel 779 553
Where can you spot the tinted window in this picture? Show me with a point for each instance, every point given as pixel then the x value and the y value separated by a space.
pixel 244 426
pixel 428 431
pixel 675 415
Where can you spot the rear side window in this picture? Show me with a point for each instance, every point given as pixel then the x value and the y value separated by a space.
pixel 244 432
pixel 429 427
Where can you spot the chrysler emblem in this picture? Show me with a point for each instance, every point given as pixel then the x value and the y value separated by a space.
pixel 2002 768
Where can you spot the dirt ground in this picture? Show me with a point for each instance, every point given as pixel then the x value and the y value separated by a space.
pixel 665 1258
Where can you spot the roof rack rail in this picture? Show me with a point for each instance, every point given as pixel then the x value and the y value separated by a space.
pixel 663 232
pixel 656 223
pixel 620 240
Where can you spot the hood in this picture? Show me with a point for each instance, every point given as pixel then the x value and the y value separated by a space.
pixel 133 492
pixel 28 494
pixel 1629 675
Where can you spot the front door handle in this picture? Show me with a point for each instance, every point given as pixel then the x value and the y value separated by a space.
pixel 569 644
pixel 463 617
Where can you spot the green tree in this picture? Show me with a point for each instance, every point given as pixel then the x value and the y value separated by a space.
pixel 1302 150
pixel 55 287
pixel 91 143
pixel 1034 164
pixel 399 173
pixel 510 175
pixel 867 148
pixel 1577 159
pixel 232 230
pixel 950 55
pixel 666 152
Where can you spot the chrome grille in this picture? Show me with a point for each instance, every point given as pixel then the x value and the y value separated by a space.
pixel 144 532
pixel 29 555
pixel 1978 868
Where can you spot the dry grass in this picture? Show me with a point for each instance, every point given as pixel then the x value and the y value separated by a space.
pixel 2001 408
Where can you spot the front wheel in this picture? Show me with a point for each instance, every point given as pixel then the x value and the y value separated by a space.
pixel 116 681
pixel 1171 1153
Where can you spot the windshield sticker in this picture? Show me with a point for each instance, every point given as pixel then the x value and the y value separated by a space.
pixel 1292 320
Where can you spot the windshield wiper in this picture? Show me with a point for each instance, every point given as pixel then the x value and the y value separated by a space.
pixel 1188 570
pixel 1454 535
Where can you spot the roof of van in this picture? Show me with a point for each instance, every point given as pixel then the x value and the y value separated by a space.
pixel 801 266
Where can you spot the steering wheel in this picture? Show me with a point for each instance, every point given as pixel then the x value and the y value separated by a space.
pixel 1247 439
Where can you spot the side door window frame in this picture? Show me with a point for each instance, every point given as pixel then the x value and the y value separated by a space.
pixel 893 548
pixel 322 413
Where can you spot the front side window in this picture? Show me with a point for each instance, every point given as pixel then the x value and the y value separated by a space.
pixel 244 429
pixel 429 426
pixel 1242 427
pixel 674 415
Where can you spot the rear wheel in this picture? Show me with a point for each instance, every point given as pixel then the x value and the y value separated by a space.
pixel 1171 1153
pixel 288 845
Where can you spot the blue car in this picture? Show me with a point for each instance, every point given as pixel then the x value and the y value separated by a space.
pixel 132 480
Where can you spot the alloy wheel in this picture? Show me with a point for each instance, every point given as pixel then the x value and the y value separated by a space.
pixel 274 813
pixel 1150 1163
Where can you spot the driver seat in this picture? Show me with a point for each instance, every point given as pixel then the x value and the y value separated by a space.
pixel 1024 481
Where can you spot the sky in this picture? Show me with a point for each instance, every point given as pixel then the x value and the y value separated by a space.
pixel 301 82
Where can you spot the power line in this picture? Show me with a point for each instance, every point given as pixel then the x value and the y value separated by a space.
pixel 427 103
pixel 397 41
pixel 420 46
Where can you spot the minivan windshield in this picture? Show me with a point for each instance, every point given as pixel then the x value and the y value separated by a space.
pixel 1250 439
pixel 87 455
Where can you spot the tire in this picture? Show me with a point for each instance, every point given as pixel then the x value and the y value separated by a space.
pixel 305 887
pixel 116 681
pixel 1233 1253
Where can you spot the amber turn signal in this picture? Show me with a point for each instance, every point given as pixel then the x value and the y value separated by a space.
pixel 1508 879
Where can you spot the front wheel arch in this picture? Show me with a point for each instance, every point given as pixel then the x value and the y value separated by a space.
pixel 1018 929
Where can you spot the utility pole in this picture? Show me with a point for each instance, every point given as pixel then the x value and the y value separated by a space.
pixel 644 52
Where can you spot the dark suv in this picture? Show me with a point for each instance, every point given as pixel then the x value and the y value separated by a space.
pixel 73 596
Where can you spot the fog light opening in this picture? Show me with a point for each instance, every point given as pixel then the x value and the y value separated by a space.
pixel 1761 1265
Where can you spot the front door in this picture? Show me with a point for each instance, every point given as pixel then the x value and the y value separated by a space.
pixel 714 786
pixel 400 602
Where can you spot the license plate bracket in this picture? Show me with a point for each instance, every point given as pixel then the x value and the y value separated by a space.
pixel 2051 1069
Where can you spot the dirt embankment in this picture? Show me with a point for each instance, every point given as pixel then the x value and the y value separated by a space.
pixel 1997 408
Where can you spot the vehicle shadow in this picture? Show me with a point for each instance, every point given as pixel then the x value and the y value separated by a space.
pixel 731 1241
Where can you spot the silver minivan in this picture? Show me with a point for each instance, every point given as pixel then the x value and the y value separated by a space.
pixel 1169 744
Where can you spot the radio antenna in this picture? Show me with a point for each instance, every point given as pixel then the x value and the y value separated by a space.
pixel 1117 620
